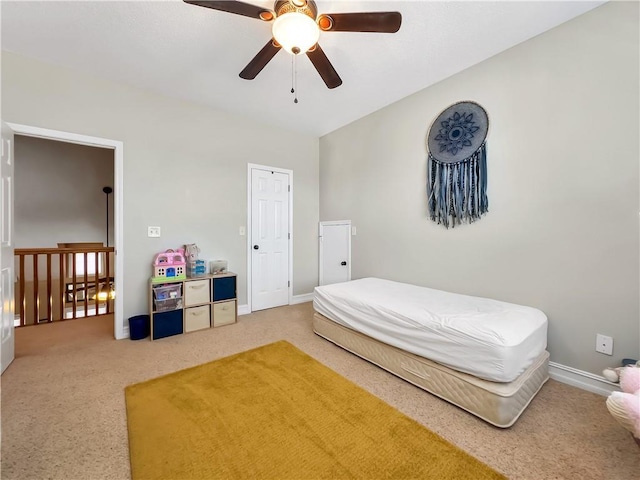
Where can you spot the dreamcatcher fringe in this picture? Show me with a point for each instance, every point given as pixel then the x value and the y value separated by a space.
pixel 457 192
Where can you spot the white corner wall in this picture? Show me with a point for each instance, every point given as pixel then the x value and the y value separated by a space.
pixel 185 168
pixel 563 148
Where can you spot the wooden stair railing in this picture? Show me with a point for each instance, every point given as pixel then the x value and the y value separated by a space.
pixel 76 282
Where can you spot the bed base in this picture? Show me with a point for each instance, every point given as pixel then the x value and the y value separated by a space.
pixel 499 404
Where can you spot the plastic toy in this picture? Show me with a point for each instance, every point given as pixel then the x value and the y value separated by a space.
pixel 169 265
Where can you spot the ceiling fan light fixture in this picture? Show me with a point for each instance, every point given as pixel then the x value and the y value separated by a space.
pixel 296 32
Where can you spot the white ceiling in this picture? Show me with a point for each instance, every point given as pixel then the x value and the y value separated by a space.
pixel 196 54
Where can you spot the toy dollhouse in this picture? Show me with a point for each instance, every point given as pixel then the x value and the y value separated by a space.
pixel 169 265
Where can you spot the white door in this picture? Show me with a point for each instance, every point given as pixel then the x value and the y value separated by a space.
pixel 335 252
pixel 7 348
pixel 269 239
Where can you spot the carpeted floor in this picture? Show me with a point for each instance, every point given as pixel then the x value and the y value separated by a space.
pixel 63 407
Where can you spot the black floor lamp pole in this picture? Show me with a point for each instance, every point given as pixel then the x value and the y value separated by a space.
pixel 107 191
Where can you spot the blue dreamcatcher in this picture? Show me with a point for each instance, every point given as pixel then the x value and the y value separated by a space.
pixel 457 165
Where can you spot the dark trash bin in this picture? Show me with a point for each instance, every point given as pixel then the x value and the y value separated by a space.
pixel 139 327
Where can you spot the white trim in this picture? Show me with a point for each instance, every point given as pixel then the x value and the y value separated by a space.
pixel 244 310
pixel 584 380
pixel 336 222
pixel 250 167
pixel 304 298
pixel 118 163
pixel 321 225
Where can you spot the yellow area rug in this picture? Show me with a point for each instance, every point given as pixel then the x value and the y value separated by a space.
pixel 276 413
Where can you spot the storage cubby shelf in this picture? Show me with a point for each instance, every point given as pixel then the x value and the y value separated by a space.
pixel 192 304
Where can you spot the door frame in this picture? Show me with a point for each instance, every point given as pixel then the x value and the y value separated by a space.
pixel 321 246
pixel 250 168
pixel 118 163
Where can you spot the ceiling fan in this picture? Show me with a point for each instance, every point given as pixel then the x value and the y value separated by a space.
pixel 296 28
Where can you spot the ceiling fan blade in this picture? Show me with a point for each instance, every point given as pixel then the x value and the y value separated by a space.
pixel 255 66
pixel 381 22
pixel 324 67
pixel 239 8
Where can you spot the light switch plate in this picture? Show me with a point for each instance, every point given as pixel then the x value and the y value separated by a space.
pixel 153 231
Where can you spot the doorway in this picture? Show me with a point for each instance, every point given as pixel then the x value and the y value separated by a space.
pixel 270 223
pixel 117 148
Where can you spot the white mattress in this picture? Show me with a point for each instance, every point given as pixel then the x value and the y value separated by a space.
pixel 486 338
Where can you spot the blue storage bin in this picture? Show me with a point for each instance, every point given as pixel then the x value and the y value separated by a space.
pixel 224 288
pixel 167 324
pixel 139 327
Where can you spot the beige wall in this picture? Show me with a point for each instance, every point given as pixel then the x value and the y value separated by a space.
pixel 563 150
pixel 185 167
pixel 59 195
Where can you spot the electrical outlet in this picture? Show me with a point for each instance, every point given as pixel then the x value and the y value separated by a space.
pixel 604 344
pixel 153 231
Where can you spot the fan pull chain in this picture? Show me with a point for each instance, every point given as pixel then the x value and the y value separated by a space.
pixel 294 77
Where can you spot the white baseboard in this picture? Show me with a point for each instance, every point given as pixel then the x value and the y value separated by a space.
pixel 307 297
pixel 584 380
pixel 561 373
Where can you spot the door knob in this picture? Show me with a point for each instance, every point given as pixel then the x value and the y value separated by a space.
pixel 343 263
pixel 256 247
